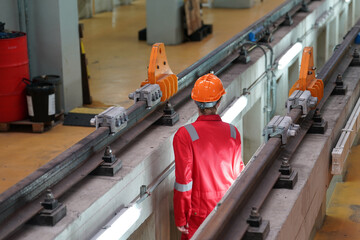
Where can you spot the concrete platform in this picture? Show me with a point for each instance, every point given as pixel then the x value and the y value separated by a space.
pixel 297 213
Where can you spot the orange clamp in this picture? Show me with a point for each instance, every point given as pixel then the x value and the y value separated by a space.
pixel 159 72
pixel 307 79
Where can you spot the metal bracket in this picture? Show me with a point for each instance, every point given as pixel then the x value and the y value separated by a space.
pixel 356 58
pixel 281 126
pixel 258 228
pixel 288 177
pixel 319 125
pixel 304 7
pixel 288 20
pixel 52 213
pixel 143 191
pixel 170 116
pixel 110 166
pixel 244 57
pixel 302 99
pixel 150 93
pixel 114 117
pixel 340 88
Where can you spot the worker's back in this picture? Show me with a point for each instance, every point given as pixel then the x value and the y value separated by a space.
pixel 216 150
pixel 207 158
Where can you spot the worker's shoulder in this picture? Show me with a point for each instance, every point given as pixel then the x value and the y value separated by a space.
pixel 182 135
pixel 181 131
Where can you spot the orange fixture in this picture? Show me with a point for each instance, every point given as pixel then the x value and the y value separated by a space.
pixel 159 72
pixel 307 79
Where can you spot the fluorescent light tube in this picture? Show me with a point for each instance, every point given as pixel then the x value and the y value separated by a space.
pixel 235 109
pixel 127 217
pixel 290 55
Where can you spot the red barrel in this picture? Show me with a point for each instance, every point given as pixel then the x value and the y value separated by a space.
pixel 14 66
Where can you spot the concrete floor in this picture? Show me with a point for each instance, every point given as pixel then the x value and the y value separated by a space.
pixel 117 64
pixel 342 219
pixel 24 152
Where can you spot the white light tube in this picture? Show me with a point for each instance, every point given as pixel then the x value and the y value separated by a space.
pixel 119 226
pixel 347 1
pixel 235 109
pixel 290 55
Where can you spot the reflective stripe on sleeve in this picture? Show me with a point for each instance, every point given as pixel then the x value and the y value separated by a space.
pixel 183 187
pixel 232 131
pixel 192 131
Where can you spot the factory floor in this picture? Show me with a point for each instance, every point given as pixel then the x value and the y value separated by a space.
pixel 117 63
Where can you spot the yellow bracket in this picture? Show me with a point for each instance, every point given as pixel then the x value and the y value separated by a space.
pixel 307 79
pixel 159 72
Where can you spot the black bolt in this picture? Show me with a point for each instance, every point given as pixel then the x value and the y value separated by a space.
pixel 339 80
pixel 169 109
pixel 50 202
pixel 108 157
pixel 254 212
pixel 108 151
pixel 254 219
pixel 285 167
pixel 49 196
pixel 356 54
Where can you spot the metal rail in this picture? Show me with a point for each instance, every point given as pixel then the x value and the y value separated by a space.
pixel 253 186
pixel 19 203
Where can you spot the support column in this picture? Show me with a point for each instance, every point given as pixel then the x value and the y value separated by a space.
pixel 166 27
pixel 9 14
pixel 52 27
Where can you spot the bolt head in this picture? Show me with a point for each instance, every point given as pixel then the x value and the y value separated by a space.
pixel 108 151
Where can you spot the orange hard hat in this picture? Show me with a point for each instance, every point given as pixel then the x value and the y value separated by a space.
pixel 207 88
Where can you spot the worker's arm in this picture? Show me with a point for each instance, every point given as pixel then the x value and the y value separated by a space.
pixel 183 178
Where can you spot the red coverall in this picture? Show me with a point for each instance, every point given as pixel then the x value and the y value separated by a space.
pixel 207 162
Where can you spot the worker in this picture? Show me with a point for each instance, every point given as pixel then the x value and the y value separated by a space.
pixel 207 158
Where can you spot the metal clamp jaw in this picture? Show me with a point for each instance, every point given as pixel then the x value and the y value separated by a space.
pixel 302 99
pixel 281 126
pixel 150 93
pixel 114 117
